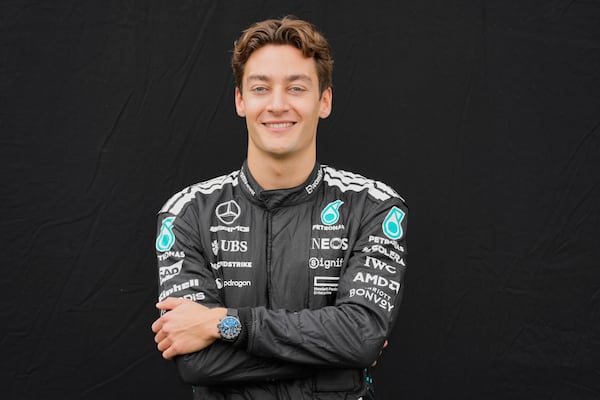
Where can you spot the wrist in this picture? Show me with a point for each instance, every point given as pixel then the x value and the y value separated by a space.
pixel 218 314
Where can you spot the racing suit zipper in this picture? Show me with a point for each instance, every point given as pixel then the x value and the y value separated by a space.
pixel 268 256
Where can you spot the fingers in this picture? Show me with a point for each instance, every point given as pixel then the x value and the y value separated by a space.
pixel 157 325
pixel 166 348
pixel 385 344
pixel 163 343
pixel 170 303
pixel 184 328
pixel 169 353
pixel 159 337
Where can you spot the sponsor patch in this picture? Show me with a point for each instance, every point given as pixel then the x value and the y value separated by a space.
pixel 392 224
pixel 315 263
pixel 178 288
pixel 230 264
pixel 166 237
pixel 382 240
pixel 311 188
pixel 392 255
pixel 376 280
pixel 238 228
pixel 245 182
pixel 167 254
pixel 335 243
pixel 330 214
pixel 380 299
pixel 325 285
pixel 339 227
pixel 231 246
pixel 377 264
pixel 238 284
pixel 166 273
pixel 195 296
pixel 228 212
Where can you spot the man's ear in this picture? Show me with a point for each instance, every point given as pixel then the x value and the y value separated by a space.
pixel 326 102
pixel 239 103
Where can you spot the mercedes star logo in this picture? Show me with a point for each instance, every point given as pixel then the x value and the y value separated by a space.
pixel 228 212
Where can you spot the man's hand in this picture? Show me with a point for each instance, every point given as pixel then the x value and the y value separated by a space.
pixel 385 344
pixel 186 327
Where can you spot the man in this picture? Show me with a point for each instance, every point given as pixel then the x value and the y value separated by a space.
pixel 281 280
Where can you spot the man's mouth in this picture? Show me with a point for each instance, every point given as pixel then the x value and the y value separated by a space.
pixel 278 125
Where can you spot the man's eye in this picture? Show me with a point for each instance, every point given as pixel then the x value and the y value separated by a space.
pixel 297 89
pixel 259 89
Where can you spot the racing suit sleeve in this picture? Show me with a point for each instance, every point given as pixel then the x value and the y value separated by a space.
pixel 351 332
pixel 183 272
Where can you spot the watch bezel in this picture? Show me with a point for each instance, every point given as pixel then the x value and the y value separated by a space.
pixel 229 333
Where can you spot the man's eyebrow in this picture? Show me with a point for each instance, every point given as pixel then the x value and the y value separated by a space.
pixel 299 77
pixel 257 77
pixel 289 78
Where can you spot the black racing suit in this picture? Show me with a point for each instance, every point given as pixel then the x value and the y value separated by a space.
pixel 316 273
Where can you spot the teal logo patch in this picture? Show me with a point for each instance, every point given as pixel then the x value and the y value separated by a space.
pixel 166 237
pixel 330 214
pixel 392 224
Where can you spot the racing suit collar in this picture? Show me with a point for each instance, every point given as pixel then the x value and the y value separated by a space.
pixel 280 197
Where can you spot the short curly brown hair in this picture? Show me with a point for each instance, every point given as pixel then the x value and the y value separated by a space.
pixel 287 30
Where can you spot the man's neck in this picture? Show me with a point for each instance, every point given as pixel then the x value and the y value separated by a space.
pixel 273 174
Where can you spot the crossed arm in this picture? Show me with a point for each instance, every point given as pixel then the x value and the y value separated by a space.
pixel 188 327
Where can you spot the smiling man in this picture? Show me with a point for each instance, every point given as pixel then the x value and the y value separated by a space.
pixel 281 280
pixel 282 102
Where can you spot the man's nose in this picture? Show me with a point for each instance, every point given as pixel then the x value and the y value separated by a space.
pixel 278 101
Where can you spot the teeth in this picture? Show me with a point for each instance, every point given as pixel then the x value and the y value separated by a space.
pixel 280 125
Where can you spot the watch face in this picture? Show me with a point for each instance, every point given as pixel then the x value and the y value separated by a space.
pixel 230 327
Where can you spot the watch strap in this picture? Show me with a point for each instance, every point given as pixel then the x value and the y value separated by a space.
pixel 233 312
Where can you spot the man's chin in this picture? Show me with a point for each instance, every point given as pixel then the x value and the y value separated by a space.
pixel 280 154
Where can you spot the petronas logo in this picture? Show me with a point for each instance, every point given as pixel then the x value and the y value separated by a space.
pixel 330 214
pixel 166 237
pixel 392 224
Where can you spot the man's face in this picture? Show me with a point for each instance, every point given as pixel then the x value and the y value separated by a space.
pixel 281 102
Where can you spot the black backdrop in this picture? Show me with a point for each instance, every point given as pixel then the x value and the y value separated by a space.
pixel 484 114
